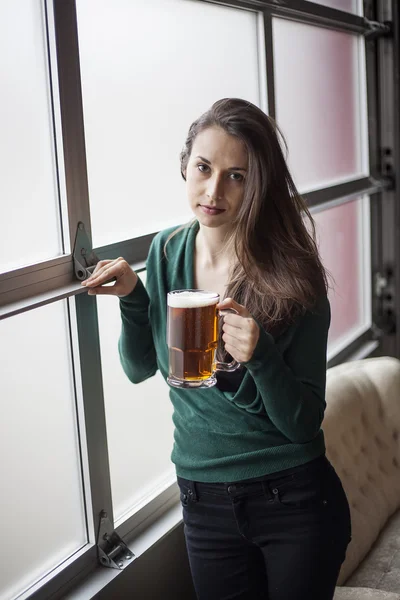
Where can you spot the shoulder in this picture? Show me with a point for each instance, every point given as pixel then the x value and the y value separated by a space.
pixel 172 236
pixel 317 318
pixel 168 248
pixel 309 327
pixel 161 237
pixel 322 307
pixel 321 310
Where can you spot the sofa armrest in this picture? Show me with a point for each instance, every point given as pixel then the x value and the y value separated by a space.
pixel 357 593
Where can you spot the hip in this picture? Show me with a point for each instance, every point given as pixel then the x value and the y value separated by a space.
pixel 310 496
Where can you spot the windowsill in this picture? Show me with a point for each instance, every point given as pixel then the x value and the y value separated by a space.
pixel 102 576
pixel 366 350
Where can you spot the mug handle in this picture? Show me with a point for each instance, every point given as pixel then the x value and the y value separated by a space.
pixel 234 365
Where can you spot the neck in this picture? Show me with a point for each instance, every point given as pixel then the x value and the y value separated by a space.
pixel 211 246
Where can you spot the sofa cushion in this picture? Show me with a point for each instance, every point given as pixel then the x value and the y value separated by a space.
pixel 362 432
pixel 381 567
pixel 348 593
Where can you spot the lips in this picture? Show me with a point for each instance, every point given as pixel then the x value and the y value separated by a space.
pixel 211 210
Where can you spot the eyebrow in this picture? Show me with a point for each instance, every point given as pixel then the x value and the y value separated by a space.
pixel 230 168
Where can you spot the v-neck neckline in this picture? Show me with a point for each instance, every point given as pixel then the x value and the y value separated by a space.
pixel 190 256
pixel 188 281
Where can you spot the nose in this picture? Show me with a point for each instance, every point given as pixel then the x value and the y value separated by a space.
pixel 215 189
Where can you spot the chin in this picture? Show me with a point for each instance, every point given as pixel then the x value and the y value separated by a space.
pixel 210 222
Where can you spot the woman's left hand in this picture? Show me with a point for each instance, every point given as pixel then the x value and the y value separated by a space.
pixel 241 332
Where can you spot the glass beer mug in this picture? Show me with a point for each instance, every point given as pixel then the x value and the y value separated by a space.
pixel 192 338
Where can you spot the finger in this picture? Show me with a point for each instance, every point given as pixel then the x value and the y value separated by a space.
pixel 109 290
pixel 100 265
pixel 241 347
pixel 235 332
pixel 231 340
pixel 97 269
pixel 105 274
pixel 236 321
pixel 240 355
pixel 245 340
pixel 230 303
pixel 101 268
pixel 232 350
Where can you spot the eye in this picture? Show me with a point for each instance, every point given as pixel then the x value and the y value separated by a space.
pixel 236 176
pixel 203 168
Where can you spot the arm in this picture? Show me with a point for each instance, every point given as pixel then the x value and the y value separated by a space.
pixel 292 384
pixel 136 347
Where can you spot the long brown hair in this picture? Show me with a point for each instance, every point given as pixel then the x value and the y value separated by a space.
pixel 278 272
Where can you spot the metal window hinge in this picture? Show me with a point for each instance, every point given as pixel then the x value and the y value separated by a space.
pixel 387 167
pixel 112 550
pixel 376 29
pixel 385 311
pixel 85 260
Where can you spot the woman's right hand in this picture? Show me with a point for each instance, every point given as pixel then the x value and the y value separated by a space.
pixel 106 270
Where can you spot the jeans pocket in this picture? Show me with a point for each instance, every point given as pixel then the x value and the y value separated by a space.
pixel 301 493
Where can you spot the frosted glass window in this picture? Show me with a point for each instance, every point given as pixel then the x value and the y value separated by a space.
pixel 320 103
pixel 353 6
pixel 139 422
pixel 344 244
pixel 148 70
pixel 41 502
pixel 30 229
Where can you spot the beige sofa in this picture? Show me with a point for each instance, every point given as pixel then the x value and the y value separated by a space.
pixel 362 429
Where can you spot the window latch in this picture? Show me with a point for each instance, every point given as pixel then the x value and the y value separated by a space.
pixel 112 550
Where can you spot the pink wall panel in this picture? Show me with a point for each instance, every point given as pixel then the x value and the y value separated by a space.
pixel 346 5
pixel 338 237
pixel 318 102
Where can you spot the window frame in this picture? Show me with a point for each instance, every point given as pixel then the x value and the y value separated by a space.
pixel 30 287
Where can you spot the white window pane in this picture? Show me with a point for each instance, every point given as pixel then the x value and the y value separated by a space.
pixel 41 502
pixel 320 103
pixel 353 6
pixel 148 70
pixel 28 191
pixel 344 242
pixel 139 444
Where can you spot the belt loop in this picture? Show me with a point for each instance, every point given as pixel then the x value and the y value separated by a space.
pixel 266 490
pixel 192 491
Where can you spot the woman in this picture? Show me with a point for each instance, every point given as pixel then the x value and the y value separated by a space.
pixel 264 511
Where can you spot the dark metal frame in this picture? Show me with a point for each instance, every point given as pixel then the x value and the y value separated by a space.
pixel 26 288
pixel 396 158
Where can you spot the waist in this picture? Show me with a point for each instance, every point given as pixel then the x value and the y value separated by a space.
pixel 257 485
pixel 217 457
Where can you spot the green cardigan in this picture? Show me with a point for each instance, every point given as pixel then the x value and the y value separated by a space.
pixel 273 421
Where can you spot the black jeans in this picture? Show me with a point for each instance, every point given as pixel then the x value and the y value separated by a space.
pixel 281 537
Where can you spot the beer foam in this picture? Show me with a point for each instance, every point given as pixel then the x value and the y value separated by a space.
pixel 192 299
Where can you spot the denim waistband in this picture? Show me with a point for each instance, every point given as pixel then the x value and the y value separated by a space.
pixel 258 485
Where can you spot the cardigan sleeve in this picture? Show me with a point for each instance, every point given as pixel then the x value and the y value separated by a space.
pixel 136 347
pixel 292 383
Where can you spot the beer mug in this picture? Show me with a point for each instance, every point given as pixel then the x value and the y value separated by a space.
pixel 192 338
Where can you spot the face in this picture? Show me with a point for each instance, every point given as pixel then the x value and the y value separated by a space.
pixel 215 177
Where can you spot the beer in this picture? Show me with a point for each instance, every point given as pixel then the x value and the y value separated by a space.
pixel 192 335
